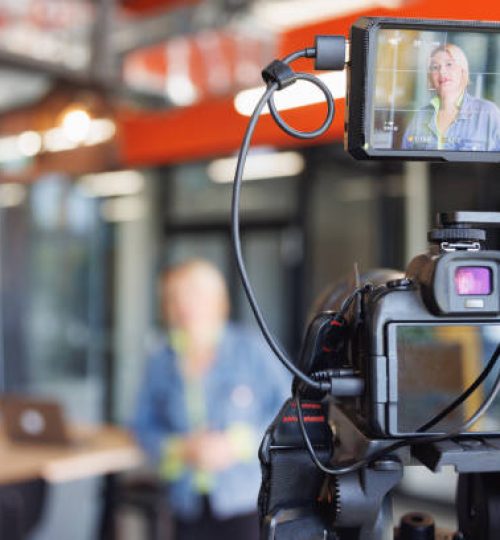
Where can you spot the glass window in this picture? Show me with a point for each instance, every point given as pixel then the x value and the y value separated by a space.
pixel 192 195
pixel 355 218
pixel 52 296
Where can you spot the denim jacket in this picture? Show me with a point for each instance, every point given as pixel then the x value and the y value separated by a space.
pixel 245 385
pixel 476 128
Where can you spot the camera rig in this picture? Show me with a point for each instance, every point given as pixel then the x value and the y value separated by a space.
pixel 350 498
pixel 335 451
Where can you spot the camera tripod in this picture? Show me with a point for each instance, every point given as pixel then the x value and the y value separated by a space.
pixel 363 498
pixel 302 503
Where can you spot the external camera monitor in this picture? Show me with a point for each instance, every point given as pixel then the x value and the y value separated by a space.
pixel 424 89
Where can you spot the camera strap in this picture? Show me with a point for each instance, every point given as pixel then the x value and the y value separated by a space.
pixel 291 483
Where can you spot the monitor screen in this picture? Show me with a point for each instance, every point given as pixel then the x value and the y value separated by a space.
pixel 435 91
pixel 436 364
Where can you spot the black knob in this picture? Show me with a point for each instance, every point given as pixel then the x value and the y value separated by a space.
pixel 417 526
pixel 456 235
pixel 401 284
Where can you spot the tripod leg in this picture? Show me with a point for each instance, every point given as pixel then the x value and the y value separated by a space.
pixel 364 501
pixel 382 528
pixel 478 504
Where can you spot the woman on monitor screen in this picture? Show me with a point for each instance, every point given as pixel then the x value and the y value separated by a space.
pixel 453 120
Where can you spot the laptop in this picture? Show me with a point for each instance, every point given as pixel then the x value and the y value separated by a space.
pixel 35 420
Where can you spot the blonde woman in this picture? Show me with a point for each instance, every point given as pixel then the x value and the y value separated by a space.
pixel 453 120
pixel 207 396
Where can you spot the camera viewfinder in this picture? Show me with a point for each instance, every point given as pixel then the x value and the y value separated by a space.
pixel 473 280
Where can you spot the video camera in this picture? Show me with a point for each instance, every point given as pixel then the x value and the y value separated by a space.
pixel 395 367
pixel 405 356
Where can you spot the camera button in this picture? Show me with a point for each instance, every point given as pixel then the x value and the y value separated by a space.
pixel 403 283
pixel 474 303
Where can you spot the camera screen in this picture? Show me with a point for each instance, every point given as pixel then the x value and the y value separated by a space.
pixel 438 363
pixel 436 90
pixel 473 280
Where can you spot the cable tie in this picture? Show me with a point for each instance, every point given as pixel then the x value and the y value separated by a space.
pixel 280 73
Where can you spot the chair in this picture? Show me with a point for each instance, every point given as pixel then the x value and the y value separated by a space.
pixel 21 507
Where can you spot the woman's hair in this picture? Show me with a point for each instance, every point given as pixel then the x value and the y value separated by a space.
pixel 458 56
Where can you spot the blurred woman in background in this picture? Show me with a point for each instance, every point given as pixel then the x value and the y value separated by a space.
pixel 205 401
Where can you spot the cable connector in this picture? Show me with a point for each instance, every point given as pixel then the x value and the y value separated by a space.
pixel 330 53
pixel 279 72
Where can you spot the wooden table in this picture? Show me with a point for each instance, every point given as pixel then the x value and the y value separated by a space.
pixel 95 451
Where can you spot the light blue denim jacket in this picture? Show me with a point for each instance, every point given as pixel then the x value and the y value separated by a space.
pixel 243 361
pixel 476 128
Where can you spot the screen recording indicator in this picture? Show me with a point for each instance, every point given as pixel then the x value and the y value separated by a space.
pixel 436 91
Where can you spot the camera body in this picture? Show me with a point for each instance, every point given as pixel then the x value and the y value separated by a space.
pixel 415 341
pixel 421 341
pixel 403 350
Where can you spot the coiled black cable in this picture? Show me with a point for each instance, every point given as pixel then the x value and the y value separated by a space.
pixel 267 98
pixel 325 386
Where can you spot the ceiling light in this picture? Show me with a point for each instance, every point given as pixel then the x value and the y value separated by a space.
pixel 55 140
pixel 257 166
pixel 300 94
pixel 29 143
pixel 180 90
pixel 100 131
pixel 179 87
pixel 112 184
pixel 9 149
pixel 76 124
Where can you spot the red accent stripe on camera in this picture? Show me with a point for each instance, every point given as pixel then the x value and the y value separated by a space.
pixel 290 419
pixel 307 405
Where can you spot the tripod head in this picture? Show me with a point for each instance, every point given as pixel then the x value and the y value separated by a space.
pixel 358 505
